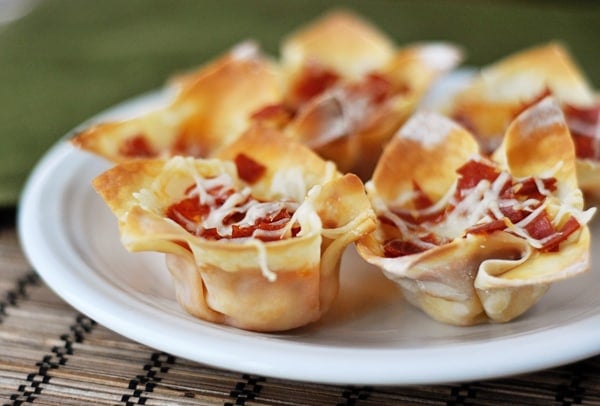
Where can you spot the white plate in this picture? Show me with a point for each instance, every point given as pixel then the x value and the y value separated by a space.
pixel 369 337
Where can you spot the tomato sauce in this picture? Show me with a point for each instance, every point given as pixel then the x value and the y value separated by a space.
pixel 248 169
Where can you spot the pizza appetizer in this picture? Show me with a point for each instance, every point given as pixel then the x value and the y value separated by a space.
pixel 340 87
pixel 348 88
pixel 209 108
pixel 253 238
pixel 502 90
pixel 471 238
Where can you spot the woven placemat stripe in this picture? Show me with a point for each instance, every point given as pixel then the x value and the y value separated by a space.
pixel 155 368
pixel 101 367
pixel 415 394
pixel 572 392
pixel 352 395
pixel 591 383
pixel 246 389
pixel 52 355
pixel 18 292
pixel 551 387
pixel 461 394
pixel 282 392
pixel 16 277
pixel 58 356
pixel 194 383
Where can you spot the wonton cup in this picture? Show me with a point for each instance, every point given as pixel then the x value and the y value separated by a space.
pixel 377 86
pixel 477 277
pixel 249 284
pixel 209 109
pixel 500 91
pixel 349 121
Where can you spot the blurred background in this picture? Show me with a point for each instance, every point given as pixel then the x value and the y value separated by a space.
pixel 62 61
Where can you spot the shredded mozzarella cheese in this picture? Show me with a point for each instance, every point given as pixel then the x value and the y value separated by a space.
pixel 479 205
pixel 262 260
pixel 231 206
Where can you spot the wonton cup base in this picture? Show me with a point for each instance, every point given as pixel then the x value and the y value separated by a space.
pixel 247 299
pixel 477 279
pixel 509 303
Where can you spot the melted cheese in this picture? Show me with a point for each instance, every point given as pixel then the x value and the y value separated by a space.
pixel 262 260
pixel 295 183
pixel 238 201
pixel 480 205
pixel 427 129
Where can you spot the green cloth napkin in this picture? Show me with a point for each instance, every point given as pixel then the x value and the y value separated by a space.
pixel 68 59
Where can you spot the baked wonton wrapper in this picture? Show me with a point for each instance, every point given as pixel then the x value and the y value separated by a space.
pixel 350 87
pixel 499 92
pixel 470 264
pixel 245 282
pixel 209 108
pixel 341 87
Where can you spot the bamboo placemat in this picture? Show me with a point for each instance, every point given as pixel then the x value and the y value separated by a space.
pixel 50 354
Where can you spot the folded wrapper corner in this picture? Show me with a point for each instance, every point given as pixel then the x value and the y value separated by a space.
pixel 203 111
pixel 465 271
pixel 248 283
pixel 500 91
pixel 351 87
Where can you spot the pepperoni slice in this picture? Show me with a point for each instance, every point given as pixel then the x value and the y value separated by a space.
pixel 190 213
pixel 188 209
pixel 517 199
pixel 277 115
pixel 487 228
pixel 248 169
pixel 420 200
pixel 584 124
pixel 529 189
pixel 398 248
pixel 474 172
pixel 137 146
pixel 313 81
pixel 540 227
pixel 551 244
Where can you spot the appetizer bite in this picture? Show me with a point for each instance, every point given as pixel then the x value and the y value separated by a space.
pixel 501 91
pixel 253 237
pixel 348 87
pixel 208 109
pixel 341 87
pixel 471 238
